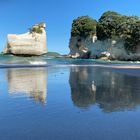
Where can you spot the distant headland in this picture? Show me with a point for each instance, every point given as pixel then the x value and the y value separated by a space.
pixel 113 36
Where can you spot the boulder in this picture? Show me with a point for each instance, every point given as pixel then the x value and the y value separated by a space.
pixel 30 43
pixel 105 55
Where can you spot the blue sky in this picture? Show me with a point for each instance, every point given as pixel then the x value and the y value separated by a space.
pixel 16 16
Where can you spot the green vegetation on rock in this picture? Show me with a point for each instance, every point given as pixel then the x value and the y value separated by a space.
pixel 108 25
pixel 37 28
pixel 84 26
pixel 111 25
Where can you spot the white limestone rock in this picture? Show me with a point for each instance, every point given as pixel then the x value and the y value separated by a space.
pixel 30 43
pixel 91 47
pixel 79 47
pixel 105 55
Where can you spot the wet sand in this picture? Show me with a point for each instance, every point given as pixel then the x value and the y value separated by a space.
pixel 104 66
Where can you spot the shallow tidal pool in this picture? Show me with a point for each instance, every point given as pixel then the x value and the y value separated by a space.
pixel 69 103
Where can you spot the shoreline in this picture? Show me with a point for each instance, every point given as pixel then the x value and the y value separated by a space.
pixel 114 66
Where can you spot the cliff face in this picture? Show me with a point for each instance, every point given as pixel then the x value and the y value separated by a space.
pixel 79 47
pixel 30 43
pixel 107 49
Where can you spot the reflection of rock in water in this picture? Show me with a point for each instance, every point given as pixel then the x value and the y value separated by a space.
pixel 32 82
pixel 114 91
pixel 81 87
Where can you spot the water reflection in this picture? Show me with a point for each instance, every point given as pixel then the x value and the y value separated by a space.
pixel 32 82
pixel 81 87
pixel 112 91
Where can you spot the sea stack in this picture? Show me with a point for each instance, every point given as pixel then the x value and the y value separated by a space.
pixel 112 37
pixel 31 43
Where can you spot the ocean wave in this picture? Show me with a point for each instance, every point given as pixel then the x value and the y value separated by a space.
pixel 21 65
pixel 31 62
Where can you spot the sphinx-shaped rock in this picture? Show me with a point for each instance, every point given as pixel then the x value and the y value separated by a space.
pixel 30 43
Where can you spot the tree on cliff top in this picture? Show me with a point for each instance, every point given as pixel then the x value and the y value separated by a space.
pixel 108 25
pixel 113 25
pixel 83 26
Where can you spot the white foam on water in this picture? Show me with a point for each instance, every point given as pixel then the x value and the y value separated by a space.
pixel 37 62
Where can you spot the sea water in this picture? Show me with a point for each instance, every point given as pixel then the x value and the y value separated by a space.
pixel 45 98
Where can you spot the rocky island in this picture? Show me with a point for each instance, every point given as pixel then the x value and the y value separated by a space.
pixel 30 43
pixel 113 36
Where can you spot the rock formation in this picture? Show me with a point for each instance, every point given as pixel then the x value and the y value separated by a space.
pixel 30 43
pixel 79 47
pixel 90 47
pixel 113 36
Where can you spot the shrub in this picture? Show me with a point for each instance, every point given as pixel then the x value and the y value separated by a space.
pixel 36 30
